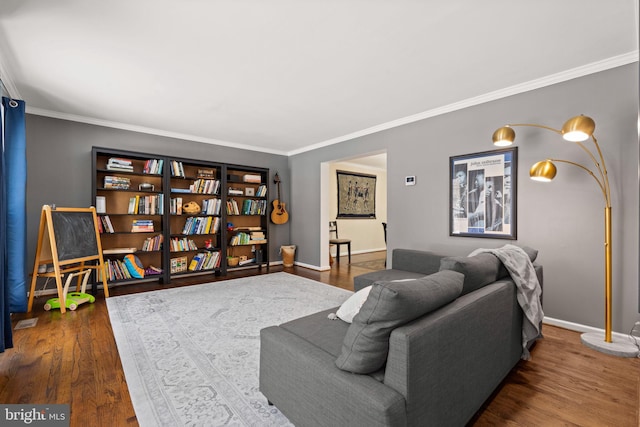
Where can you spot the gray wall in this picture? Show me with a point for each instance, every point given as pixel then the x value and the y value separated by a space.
pixel 564 219
pixel 59 167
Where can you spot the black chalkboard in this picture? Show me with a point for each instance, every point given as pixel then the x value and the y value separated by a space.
pixel 75 234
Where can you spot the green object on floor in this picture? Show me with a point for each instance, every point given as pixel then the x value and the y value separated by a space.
pixel 73 300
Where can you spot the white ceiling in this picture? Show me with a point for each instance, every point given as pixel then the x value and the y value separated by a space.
pixel 285 76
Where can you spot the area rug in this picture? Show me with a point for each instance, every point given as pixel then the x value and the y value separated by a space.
pixel 191 354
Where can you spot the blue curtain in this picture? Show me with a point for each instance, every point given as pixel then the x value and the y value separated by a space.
pixel 13 228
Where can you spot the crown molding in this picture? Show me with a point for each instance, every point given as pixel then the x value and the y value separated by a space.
pixel 147 130
pixel 563 76
pixel 585 70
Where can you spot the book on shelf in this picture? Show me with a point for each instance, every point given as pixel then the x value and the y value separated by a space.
pixel 247 261
pixel 153 166
pixel 205 261
pixel 178 264
pixel 201 225
pixel 254 179
pixel 180 190
pixel 182 244
pixel 205 186
pixel 142 226
pixel 153 243
pixel 177 169
pixel 175 207
pixel 146 205
pixel 235 191
pixel 106 224
pixel 232 207
pixel 254 207
pixel 250 228
pixel 211 206
pixel 111 251
pixel 119 164
pixel 117 182
pixel 261 191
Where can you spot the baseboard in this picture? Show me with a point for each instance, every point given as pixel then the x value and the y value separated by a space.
pixel 577 327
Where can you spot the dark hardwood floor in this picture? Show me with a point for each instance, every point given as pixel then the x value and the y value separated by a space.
pixel 72 358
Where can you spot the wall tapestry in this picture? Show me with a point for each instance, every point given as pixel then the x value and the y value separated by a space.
pixel 356 195
pixel 482 196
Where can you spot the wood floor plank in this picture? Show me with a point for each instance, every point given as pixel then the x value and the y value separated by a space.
pixel 73 359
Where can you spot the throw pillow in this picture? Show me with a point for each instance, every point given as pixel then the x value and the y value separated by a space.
pixel 352 306
pixel 479 270
pixel 134 265
pixel 389 305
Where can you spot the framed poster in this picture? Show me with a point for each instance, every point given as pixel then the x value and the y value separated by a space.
pixel 356 195
pixel 482 196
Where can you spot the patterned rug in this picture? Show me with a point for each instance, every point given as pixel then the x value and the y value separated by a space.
pixel 191 354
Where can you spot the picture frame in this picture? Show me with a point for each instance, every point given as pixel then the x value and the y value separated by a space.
pixel 250 191
pixel 356 195
pixel 483 194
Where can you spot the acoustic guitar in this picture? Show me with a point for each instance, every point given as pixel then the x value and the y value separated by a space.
pixel 279 215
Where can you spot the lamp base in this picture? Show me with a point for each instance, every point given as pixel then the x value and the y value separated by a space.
pixel 618 347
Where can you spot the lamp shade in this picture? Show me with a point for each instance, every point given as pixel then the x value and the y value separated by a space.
pixel 543 171
pixel 579 128
pixel 504 136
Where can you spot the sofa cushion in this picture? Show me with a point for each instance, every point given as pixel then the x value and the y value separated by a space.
pixel 368 279
pixel 481 269
pixel 352 305
pixel 389 305
pixel 319 330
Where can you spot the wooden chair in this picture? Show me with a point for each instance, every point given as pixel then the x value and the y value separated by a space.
pixel 384 227
pixel 333 229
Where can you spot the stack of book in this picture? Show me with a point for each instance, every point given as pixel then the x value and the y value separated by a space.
pixel 142 226
pixel 117 182
pixel 119 164
pixel 257 237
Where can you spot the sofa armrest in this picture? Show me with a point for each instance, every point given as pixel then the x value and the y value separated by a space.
pixel 423 262
pixel 303 382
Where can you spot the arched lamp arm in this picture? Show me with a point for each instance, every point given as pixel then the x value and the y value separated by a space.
pixel 536 126
pixel 590 172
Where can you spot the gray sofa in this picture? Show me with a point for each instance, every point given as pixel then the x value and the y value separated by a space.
pixel 438 368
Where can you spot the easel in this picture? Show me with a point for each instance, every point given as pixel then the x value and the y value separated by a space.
pixel 77 250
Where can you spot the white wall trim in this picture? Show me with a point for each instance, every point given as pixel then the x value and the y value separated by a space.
pixel 563 76
pixel 573 73
pixel 143 129
pixel 577 327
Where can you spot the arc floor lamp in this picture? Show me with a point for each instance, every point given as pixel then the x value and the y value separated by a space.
pixel 579 129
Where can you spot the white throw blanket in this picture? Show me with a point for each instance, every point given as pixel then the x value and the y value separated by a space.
pixel 519 266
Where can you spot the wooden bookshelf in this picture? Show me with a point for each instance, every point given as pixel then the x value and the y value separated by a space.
pixel 246 211
pixel 173 214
